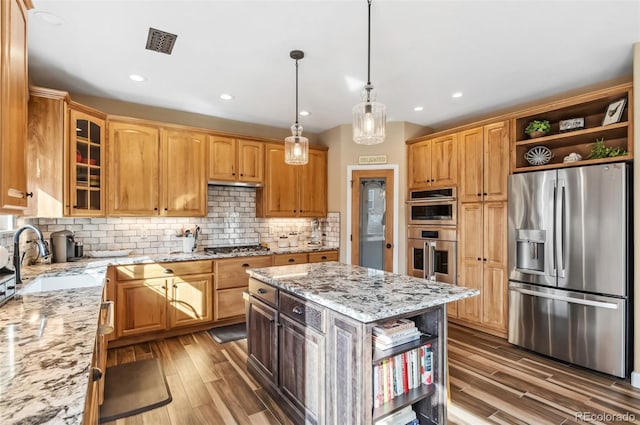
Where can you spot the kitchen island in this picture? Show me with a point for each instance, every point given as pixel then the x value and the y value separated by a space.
pixel 310 329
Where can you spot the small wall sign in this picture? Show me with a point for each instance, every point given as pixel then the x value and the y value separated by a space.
pixel 372 159
pixel 572 124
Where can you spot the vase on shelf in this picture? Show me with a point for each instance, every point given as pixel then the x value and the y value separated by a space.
pixel 535 134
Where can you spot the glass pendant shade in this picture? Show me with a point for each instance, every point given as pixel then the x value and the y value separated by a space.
pixel 296 147
pixel 369 122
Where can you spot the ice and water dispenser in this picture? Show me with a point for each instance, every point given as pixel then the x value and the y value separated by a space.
pixel 530 249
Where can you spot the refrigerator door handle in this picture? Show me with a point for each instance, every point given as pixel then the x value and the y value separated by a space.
pixel 572 300
pixel 554 256
pixel 560 228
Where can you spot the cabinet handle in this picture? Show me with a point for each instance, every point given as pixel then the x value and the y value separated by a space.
pixel 324 257
pixel 262 291
pixel 245 265
pixel 233 174
pixel 75 206
pixel 3 293
pixel 11 287
pixel 163 287
pixel 96 374
pixel 175 286
pixel 294 210
pixel 166 209
pixel 433 180
pixel 29 195
pixel 479 259
pixel 291 260
pixel 297 310
pixel 479 194
pixel 484 259
pixel 485 194
pixel 167 271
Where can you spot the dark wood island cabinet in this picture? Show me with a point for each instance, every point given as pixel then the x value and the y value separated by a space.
pixel 310 329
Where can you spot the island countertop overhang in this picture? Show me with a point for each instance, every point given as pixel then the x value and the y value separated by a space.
pixel 363 294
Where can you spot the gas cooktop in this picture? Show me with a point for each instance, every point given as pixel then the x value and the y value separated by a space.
pixel 234 248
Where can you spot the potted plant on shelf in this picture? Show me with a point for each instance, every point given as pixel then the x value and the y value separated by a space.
pixel 600 150
pixel 537 128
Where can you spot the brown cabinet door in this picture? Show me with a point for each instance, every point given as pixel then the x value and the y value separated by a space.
pixel 133 171
pixel 419 164
pixel 184 186
pixel 222 158
pixel 313 185
pixel 444 161
pixel 141 306
pixel 191 301
pixel 302 372
pixel 13 108
pixel 496 161
pixel 494 283
pixel 262 341
pixel 232 272
pixel 86 165
pixel 280 197
pixel 470 163
pixel 250 161
pixel 228 303
pixel 470 249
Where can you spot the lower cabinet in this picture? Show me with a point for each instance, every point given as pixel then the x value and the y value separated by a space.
pixel 262 343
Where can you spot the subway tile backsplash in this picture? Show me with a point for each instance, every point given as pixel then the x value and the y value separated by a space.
pixel 230 220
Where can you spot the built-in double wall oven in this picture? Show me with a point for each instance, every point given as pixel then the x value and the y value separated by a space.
pixel 432 253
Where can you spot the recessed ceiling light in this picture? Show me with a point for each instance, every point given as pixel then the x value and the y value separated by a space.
pixel 418 108
pixel 137 78
pixel 304 113
pixel 48 17
pixel 226 96
pixel 457 95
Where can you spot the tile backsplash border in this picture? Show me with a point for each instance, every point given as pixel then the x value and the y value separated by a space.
pixel 230 220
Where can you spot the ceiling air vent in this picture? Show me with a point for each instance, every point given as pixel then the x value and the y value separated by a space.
pixel 160 41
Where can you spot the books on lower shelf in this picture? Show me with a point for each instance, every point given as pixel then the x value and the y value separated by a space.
pixel 397 375
pixel 404 416
pixel 394 333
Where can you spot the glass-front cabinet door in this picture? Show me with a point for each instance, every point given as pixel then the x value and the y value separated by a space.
pixel 86 177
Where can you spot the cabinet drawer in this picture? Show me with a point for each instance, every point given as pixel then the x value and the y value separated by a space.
pixel 302 311
pixel 232 272
pixel 146 271
pixel 285 259
pixel 318 257
pixel 264 291
pixel 229 303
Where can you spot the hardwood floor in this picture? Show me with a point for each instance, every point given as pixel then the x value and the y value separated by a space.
pixel 491 382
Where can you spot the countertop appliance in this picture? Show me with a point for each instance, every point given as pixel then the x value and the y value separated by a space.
pixel 569 266
pixel 432 207
pixel 63 246
pixel 432 253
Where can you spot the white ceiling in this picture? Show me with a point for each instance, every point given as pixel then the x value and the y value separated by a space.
pixel 498 53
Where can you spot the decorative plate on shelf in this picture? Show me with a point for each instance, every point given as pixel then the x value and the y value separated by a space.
pixel 538 155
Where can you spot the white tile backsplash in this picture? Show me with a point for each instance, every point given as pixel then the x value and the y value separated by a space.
pixel 230 220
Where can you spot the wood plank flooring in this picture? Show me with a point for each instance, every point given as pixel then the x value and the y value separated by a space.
pixel 491 382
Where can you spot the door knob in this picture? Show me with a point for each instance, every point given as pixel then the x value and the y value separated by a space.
pixel 389 246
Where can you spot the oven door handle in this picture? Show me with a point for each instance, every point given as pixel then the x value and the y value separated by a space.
pixel 430 269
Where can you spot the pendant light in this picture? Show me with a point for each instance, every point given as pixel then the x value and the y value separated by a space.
pixel 369 117
pixel 296 147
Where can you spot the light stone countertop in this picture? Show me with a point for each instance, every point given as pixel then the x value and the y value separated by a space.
pixel 364 294
pixel 47 338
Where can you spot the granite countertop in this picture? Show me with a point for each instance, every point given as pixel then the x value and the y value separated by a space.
pixel 366 295
pixel 47 338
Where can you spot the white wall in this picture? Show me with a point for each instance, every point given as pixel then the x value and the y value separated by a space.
pixel 344 152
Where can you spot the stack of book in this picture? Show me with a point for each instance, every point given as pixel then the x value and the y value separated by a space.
pixel 397 375
pixel 394 333
pixel 404 416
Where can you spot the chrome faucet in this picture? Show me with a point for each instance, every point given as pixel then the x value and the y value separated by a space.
pixel 42 248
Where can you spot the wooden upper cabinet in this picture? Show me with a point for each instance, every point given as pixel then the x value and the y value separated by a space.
pixel 235 160
pixel 184 188
pixel 133 172
pixel 419 164
pixel 484 163
pixel 496 161
pixel 433 162
pixel 250 161
pixel 13 106
pixel 223 163
pixel 313 185
pixel 293 190
pixel 471 165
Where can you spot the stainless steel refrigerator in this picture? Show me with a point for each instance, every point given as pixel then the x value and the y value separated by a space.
pixel 569 265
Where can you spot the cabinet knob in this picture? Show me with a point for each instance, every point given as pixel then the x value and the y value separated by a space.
pixel 29 194
pixel 485 194
pixel 155 209
pixel 166 209
pixel 291 260
pixel 75 206
pixel 96 374
pixel 479 194
pixel 163 287
pixel 245 265
pixel 479 259
pixel 241 174
pixel 167 271
pixel 262 291
pixel 297 310
pixel 388 246
pixel 484 259
pixel 294 210
pixel 233 174
pixel 175 286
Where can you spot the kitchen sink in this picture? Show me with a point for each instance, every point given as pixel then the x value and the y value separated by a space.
pixel 58 283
